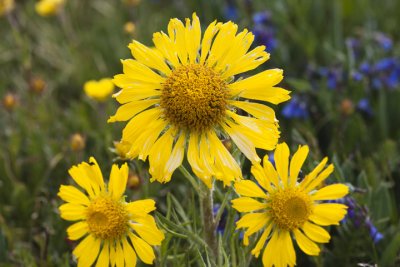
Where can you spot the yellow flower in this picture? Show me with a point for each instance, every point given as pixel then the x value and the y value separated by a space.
pixel 184 92
pixel 113 230
pixel 47 8
pixel 122 148
pixel 129 27
pixel 99 90
pixel 77 142
pixel 10 101
pixel 6 6
pixel 288 207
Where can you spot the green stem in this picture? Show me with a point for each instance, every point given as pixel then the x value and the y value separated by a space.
pixel 209 226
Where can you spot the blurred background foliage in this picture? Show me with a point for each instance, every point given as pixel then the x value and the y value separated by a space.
pixel 341 61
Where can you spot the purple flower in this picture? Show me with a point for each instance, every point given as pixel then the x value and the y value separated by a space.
pixel 384 41
pixel 364 107
pixel 296 108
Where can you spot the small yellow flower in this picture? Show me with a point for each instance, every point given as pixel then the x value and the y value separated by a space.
pixel 77 142
pixel 130 27
pixel 47 8
pixel 288 207
pixel 183 96
pixel 6 6
pixel 114 231
pixel 99 90
pixel 10 101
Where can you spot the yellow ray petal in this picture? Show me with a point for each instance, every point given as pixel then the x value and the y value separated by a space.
pixel 249 189
pixel 87 248
pixel 79 175
pixel 281 157
pixel 149 233
pixel 118 179
pixel 104 257
pixel 73 195
pixel 72 212
pixel 254 228
pixel 128 83
pixel 144 250
pixel 129 110
pixel 333 191
pixel 140 208
pixel 270 171
pixel 328 213
pixel 176 157
pixel 247 204
pixel 193 156
pixel 176 31
pixel 209 34
pixel 252 219
pixel 297 161
pixel 119 254
pixel 311 176
pixel 261 242
pixel 279 251
pixel 138 71
pixel 320 178
pixel 306 244
pixel 129 253
pixel 257 110
pixel 316 233
pixel 167 47
pixel 77 230
pixel 149 57
pixel 259 174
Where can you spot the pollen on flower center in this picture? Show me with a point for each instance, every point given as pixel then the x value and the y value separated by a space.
pixel 194 97
pixel 107 218
pixel 290 208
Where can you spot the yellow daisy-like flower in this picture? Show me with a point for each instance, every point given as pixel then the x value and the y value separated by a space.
pixel 288 207
pixel 46 8
pixel 114 231
pixel 99 90
pixel 6 6
pixel 184 92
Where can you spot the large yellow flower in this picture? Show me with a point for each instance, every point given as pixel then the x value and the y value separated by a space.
pixel 288 207
pixel 184 92
pixel 114 231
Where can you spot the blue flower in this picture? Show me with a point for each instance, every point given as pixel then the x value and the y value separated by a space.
pixel 263 17
pixel 364 107
pixel 295 108
pixel 231 12
pixel 373 232
pixel 384 41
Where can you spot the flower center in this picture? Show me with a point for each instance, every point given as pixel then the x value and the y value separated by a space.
pixel 194 98
pixel 107 218
pixel 290 208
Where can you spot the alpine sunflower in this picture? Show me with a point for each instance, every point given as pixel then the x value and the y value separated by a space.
pixel 288 206
pixel 114 231
pixel 183 92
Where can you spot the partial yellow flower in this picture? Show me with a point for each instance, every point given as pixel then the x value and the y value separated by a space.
pixel 6 6
pixel 122 148
pixel 183 95
pixel 99 90
pixel 47 8
pixel 114 231
pixel 288 207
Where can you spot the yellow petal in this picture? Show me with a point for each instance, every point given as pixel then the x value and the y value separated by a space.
pixel 249 189
pixel 193 156
pixel 281 157
pixel 247 204
pixel 87 250
pixel 219 47
pixel 257 110
pixel 138 71
pixel 176 31
pixel 270 171
pixel 167 47
pixel 73 195
pixel 72 212
pixel 79 175
pixel 209 34
pixel 129 253
pixel 254 228
pixel 144 250
pixel 333 191
pixel 149 57
pixel 77 230
pixel 149 233
pixel 328 213
pixel 306 244
pixel 260 82
pixel 142 92
pixel 316 233
pixel 297 161
pixel 141 208
pixel 94 172
pixel 148 117
pixel 279 251
pixel 261 242
pixel 119 254
pixel 118 180
pixel 176 157
pixel 129 110
pixel 311 176
pixel 252 220
pixel 320 178
pixel 259 174
pixel 104 257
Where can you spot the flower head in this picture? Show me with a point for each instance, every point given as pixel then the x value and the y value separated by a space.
pixel 6 6
pixel 288 207
pixel 114 231
pixel 99 90
pixel 46 8
pixel 184 91
pixel 10 101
